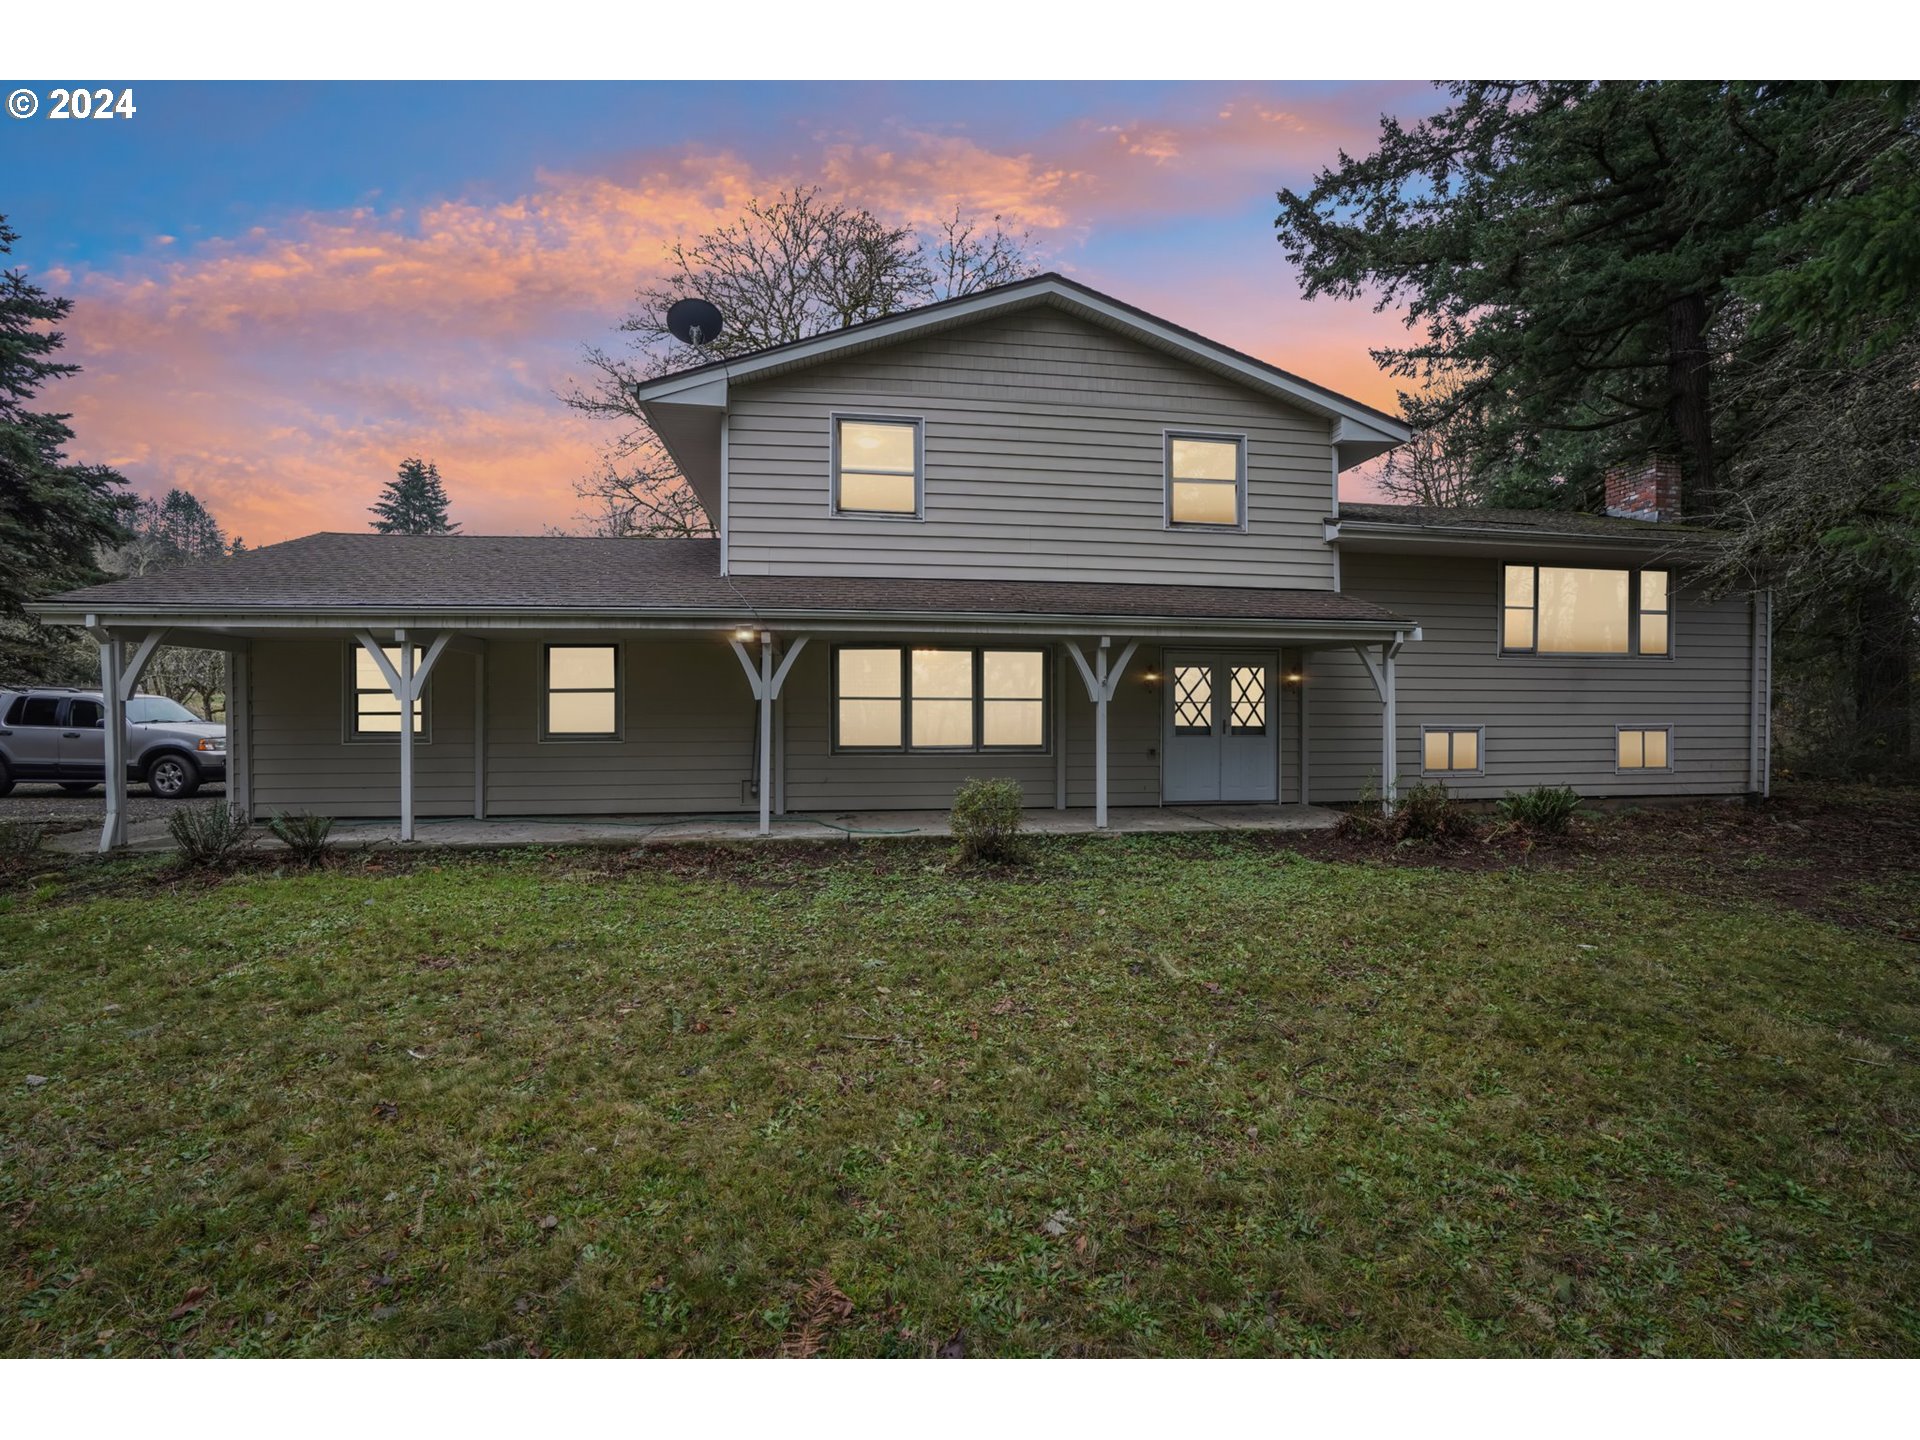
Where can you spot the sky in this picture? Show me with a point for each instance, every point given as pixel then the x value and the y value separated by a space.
pixel 282 290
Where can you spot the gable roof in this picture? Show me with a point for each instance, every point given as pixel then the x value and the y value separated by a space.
pixel 346 578
pixel 1487 529
pixel 672 402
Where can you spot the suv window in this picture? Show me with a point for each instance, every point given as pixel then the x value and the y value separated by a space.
pixel 84 714
pixel 34 710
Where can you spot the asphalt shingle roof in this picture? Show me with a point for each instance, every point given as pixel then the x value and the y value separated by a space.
pixel 430 572
pixel 1533 522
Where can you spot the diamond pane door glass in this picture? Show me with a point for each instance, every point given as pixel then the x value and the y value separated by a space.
pixel 1193 699
pixel 1247 700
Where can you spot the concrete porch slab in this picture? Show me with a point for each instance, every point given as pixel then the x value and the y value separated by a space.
pixel 470 834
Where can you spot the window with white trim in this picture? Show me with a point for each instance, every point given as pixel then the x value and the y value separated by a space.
pixel 876 466
pixel 1451 750
pixel 582 692
pixel 1647 747
pixel 937 698
pixel 1206 481
pixel 1575 610
pixel 375 711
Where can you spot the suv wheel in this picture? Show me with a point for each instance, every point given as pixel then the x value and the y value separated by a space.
pixel 173 777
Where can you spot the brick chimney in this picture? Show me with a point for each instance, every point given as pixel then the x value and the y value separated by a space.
pixel 1648 490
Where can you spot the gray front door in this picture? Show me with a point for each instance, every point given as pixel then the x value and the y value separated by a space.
pixel 1222 728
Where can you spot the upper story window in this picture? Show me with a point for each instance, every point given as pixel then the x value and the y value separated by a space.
pixel 1563 610
pixel 876 466
pixel 1207 481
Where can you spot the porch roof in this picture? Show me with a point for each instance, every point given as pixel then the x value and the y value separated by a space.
pixel 361 579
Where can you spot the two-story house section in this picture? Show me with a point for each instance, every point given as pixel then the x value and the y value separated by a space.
pixel 1033 532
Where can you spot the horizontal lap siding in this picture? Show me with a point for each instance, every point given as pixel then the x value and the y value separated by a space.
pixel 1548 721
pixel 1043 462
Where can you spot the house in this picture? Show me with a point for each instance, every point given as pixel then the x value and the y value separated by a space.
pixel 1033 532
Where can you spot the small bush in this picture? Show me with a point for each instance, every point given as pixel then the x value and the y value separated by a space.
pixel 1548 809
pixel 305 836
pixel 986 822
pixel 1365 820
pixel 19 841
pixel 1427 812
pixel 210 837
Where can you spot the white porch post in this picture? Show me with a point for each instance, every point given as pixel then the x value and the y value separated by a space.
pixel 1381 673
pixel 1059 731
pixel 113 833
pixel 1101 681
pixel 239 682
pixel 766 680
pixel 405 696
pixel 1303 728
pixel 480 732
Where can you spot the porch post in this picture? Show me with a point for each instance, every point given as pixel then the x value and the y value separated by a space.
pixel 406 734
pixel 766 731
pixel 1389 731
pixel 113 833
pixel 480 732
pixel 239 681
pixel 1100 737
pixel 1059 730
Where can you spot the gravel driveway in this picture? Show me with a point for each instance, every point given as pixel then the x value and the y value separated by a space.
pixel 54 808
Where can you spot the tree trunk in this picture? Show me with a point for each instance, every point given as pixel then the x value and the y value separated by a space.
pixel 1687 402
pixel 1883 678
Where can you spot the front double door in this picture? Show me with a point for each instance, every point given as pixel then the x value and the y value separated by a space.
pixel 1222 728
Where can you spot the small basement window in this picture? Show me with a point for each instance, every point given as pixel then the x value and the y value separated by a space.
pixel 1206 481
pixel 1450 751
pixel 1648 748
pixel 376 709
pixel 583 692
pixel 876 466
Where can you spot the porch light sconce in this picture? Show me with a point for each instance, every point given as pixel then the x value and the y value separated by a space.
pixel 746 634
pixel 1294 677
pixel 1152 677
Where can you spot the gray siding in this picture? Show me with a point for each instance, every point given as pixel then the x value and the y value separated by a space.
pixel 1043 462
pixel 1548 721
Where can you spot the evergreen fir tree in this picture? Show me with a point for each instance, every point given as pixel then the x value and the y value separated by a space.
pixel 414 502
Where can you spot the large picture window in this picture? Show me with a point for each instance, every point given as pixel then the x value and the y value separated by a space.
pixel 375 713
pixel 583 692
pixel 1206 481
pixel 1568 610
pixel 939 698
pixel 876 466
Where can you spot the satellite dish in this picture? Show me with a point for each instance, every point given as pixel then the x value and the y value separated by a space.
pixel 694 322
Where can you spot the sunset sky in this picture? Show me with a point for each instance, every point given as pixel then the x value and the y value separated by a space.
pixel 283 289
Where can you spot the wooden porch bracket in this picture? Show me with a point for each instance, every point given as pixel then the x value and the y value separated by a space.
pixel 766 682
pixel 407 684
pixel 1381 672
pixel 119 681
pixel 1101 682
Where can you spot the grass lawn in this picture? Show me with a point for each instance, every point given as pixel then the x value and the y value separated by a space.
pixel 1157 1095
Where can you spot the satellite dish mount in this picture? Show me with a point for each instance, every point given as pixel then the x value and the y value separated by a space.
pixel 695 322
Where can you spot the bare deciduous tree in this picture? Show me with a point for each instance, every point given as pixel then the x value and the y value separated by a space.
pixel 789 268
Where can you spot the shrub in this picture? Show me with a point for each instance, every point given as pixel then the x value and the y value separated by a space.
pixel 986 822
pixel 305 836
pixel 1547 809
pixel 210 837
pixel 1365 820
pixel 19 841
pixel 1427 812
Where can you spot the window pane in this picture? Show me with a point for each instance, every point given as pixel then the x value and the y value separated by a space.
pixel 577 712
pixel 1193 697
pixel 941 674
pixel 1206 460
pixel 870 722
pixel 1519 585
pixel 381 724
pixel 379 702
pixel 865 445
pixel 889 494
pixel 1630 750
pixel 1519 630
pixel 1653 634
pixel 580 667
pixel 1012 674
pixel 1653 589
pixel 368 676
pixel 1247 698
pixel 1205 504
pixel 870 674
pixel 1582 612
pixel 1466 750
pixel 1013 722
pixel 942 722
pixel 1434 750
pixel 1656 749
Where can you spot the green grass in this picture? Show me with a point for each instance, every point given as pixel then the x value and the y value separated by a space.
pixel 1161 1095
